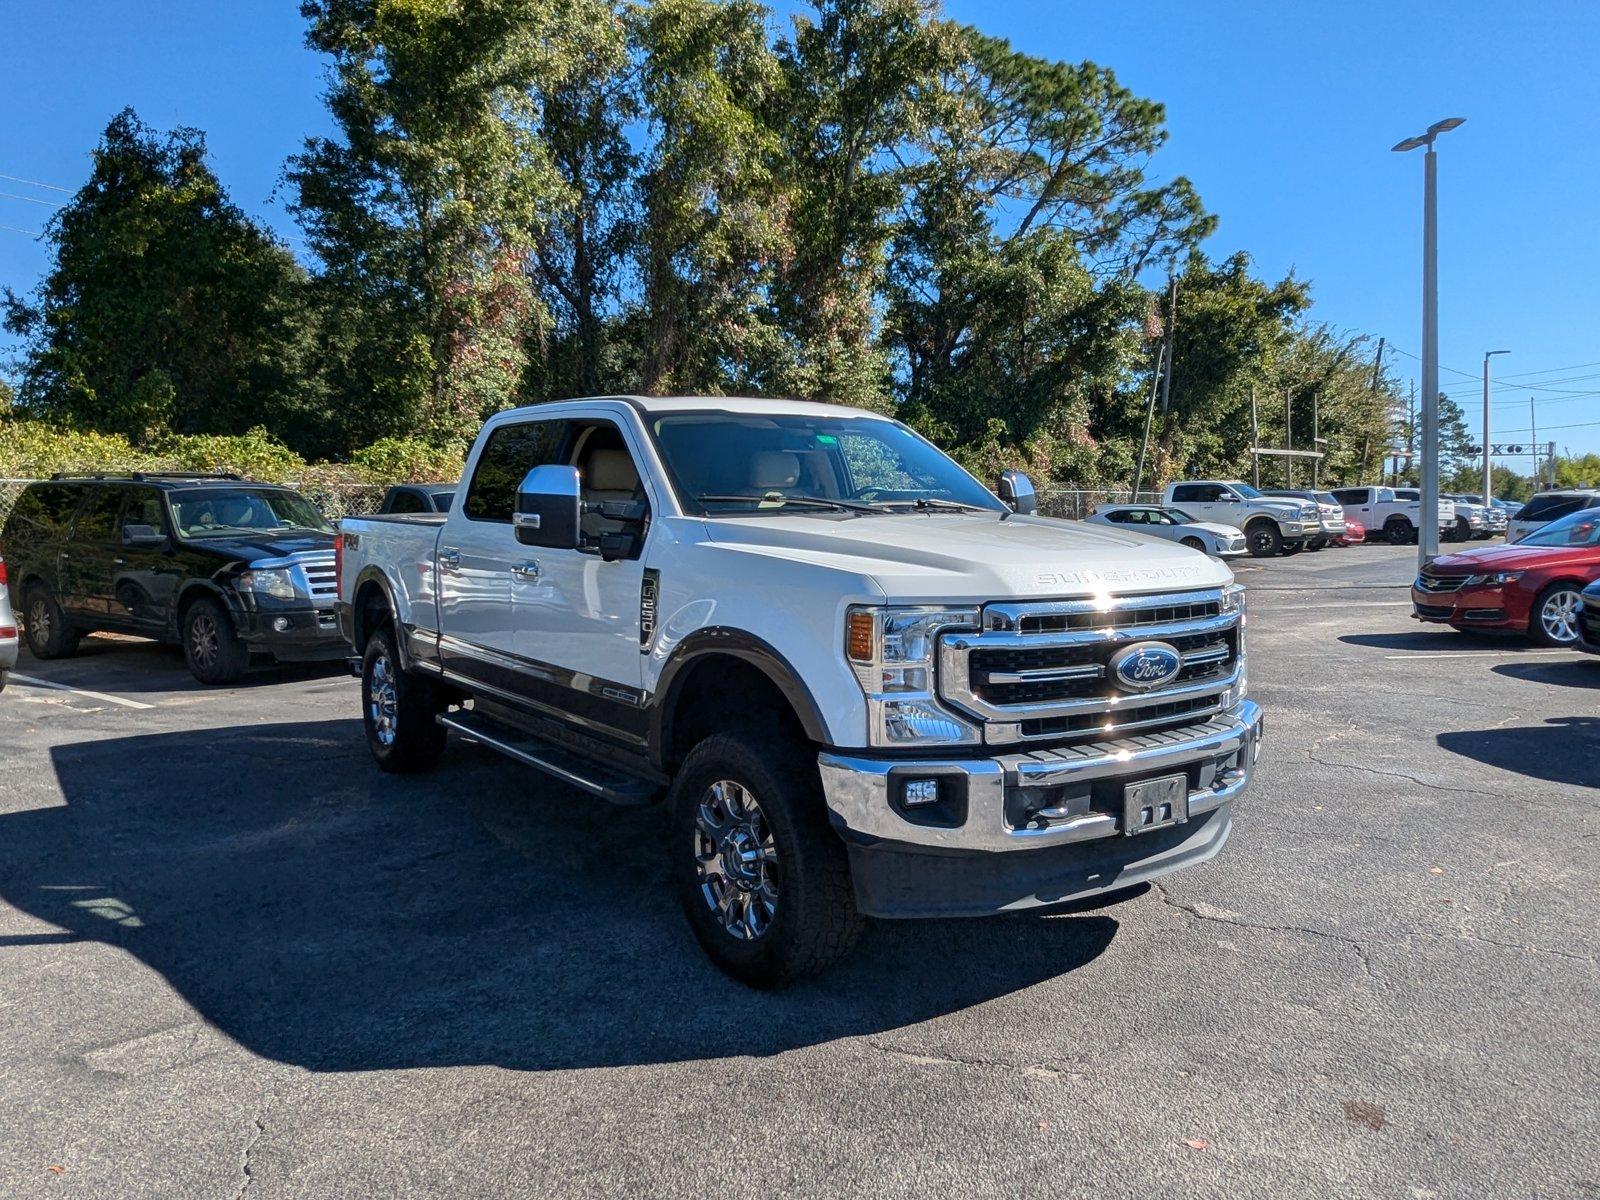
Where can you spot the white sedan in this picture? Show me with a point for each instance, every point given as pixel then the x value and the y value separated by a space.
pixel 1220 541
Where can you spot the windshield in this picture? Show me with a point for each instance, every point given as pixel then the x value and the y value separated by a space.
pixel 219 512
pixel 1245 490
pixel 1178 515
pixel 1576 529
pixel 1326 498
pixel 726 464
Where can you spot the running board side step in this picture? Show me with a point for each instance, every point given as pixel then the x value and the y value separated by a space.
pixel 609 783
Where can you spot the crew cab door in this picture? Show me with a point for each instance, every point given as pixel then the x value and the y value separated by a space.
pixel 86 567
pixel 478 558
pixel 578 615
pixel 1207 502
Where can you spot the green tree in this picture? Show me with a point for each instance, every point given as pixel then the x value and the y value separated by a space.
pixel 425 207
pixel 165 307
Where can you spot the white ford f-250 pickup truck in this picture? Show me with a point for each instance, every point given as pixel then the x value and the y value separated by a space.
pixel 864 685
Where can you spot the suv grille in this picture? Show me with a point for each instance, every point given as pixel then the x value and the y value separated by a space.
pixel 1043 670
pixel 321 580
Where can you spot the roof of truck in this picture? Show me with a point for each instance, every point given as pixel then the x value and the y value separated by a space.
pixel 755 405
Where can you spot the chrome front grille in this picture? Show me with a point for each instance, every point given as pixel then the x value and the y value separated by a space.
pixel 1437 584
pixel 1042 670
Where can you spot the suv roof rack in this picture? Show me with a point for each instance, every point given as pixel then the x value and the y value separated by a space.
pixel 140 476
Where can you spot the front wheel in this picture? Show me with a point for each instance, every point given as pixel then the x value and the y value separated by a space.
pixel 763 880
pixel 398 711
pixel 1193 543
pixel 214 652
pixel 1265 540
pixel 1555 616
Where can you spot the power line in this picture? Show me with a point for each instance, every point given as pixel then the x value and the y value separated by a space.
pixel 29 232
pixel 30 199
pixel 35 183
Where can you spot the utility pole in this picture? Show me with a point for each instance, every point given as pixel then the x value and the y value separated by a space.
pixel 1288 439
pixel 1255 441
pixel 1533 423
pixel 1488 473
pixel 1316 441
pixel 1172 325
pixel 1411 431
pixel 1149 416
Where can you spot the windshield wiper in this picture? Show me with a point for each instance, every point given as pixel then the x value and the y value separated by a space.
pixel 779 500
pixel 948 505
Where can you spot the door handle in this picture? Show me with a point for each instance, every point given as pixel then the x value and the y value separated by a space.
pixel 449 560
pixel 528 572
pixel 121 562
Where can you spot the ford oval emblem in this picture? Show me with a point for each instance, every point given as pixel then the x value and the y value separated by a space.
pixel 1144 666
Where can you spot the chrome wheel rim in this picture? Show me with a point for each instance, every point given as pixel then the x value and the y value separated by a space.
pixel 382 701
pixel 1559 616
pixel 39 620
pixel 735 860
pixel 203 642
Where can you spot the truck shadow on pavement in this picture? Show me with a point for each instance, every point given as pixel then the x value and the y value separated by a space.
pixel 1579 671
pixel 1562 750
pixel 323 915
pixel 1435 640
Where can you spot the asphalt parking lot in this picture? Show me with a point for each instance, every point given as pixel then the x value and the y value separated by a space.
pixel 237 961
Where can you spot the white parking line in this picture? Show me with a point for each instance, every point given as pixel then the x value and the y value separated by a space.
pixel 1479 654
pixel 61 687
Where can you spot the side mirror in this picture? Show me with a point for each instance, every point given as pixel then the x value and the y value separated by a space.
pixel 549 503
pixel 143 536
pixel 1016 489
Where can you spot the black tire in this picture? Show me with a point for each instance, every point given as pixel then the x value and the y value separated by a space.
pixel 1399 531
pixel 1193 543
pixel 50 634
pixel 1316 543
pixel 1538 630
pixel 812 922
pixel 214 651
pixel 1264 538
pixel 398 711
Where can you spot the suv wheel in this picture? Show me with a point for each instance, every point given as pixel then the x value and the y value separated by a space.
pixel 398 710
pixel 763 880
pixel 214 652
pixel 1555 616
pixel 1399 531
pixel 49 633
pixel 1265 540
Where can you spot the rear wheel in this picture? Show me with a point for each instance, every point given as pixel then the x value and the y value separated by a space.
pixel 1554 621
pixel 1264 538
pixel 1463 530
pixel 49 633
pixel 214 652
pixel 398 711
pixel 763 880
pixel 1399 531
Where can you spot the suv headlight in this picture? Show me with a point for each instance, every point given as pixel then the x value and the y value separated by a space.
pixel 277 582
pixel 891 651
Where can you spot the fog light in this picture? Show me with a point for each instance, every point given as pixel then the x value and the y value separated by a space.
pixel 921 791
pixel 281 624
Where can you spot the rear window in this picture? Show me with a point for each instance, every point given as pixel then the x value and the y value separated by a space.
pixel 43 511
pixel 1555 505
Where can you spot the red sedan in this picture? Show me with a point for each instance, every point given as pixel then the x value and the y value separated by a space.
pixel 1354 533
pixel 1531 587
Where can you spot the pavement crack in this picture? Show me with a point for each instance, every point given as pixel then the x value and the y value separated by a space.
pixel 1420 782
pixel 1226 918
pixel 247 1156
pixel 923 1059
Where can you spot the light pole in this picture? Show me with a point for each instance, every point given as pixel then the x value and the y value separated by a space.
pixel 1488 475
pixel 1428 535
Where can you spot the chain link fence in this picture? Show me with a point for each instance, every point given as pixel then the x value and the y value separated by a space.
pixel 1075 504
pixel 334 499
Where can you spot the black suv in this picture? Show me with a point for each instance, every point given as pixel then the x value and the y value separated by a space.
pixel 221 566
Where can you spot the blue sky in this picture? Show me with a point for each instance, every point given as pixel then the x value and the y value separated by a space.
pixel 1281 113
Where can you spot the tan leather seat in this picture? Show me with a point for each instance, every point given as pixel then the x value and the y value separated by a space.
pixel 774 470
pixel 607 475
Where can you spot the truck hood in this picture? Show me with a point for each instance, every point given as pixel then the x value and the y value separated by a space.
pixel 1486 559
pixel 976 556
pixel 260 544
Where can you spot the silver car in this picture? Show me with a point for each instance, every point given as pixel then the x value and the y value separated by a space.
pixel 1219 541
pixel 8 630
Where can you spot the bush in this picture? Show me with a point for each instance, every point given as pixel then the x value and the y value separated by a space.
pixel 396 460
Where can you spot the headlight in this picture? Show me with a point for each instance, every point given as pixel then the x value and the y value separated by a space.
pixel 1494 579
pixel 276 582
pixel 891 651
pixel 1233 599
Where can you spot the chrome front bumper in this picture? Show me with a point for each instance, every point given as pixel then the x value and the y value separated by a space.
pixel 981 814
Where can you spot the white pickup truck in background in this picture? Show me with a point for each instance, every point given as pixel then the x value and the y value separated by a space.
pixel 864 685
pixel 1391 513
pixel 1271 526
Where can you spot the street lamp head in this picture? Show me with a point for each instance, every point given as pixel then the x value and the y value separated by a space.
pixel 1411 143
pixel 1446 125
pixel 1491 353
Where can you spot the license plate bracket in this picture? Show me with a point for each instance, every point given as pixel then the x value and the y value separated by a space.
pixel 1155 804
